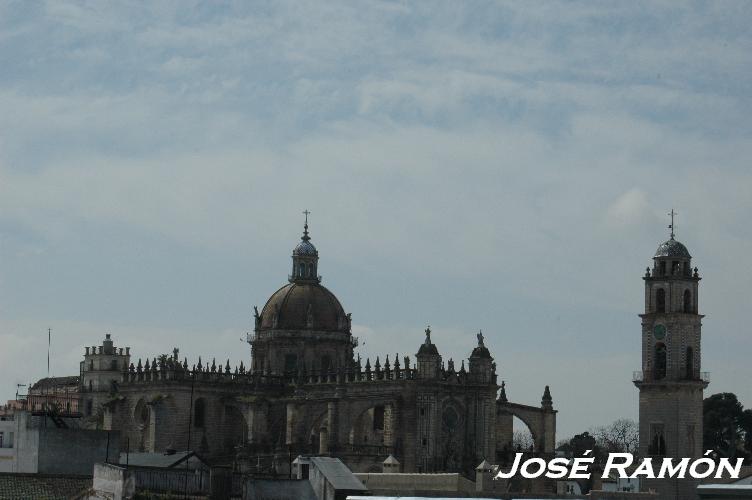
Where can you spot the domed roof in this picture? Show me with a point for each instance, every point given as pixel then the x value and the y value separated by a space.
pixel 672 248
pixel 303 306
pixel 305 247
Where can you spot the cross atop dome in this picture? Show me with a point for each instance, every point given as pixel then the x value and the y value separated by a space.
pixel 305 227
pixel 671 226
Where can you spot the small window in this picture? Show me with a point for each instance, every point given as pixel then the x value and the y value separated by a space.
pixel 114 365
pixel 199 413
pixel 662 268
pixel 378 418
pixel 690 364
pixel 687 301
pixel 89 407
pixel 301 270
pixel 660 300
pixel 657 441
pixel 310 270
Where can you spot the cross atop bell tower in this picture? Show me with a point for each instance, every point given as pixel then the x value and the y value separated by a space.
pixel 671 226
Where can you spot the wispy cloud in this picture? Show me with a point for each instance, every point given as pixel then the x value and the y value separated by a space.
pixel 504 166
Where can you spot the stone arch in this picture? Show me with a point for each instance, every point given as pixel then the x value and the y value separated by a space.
pixel 540 421
pixel 142 416
pixel 314 434
pixel 368 426
pixel 236 426
pixel 523 429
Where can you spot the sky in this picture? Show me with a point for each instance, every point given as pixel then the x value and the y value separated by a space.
pixel 504 166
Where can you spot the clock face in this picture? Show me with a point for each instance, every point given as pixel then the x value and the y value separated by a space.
pixel 659 332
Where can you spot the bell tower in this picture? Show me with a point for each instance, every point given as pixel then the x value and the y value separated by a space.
pixel 670 383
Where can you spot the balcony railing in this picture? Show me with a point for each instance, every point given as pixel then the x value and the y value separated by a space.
pixel 649 376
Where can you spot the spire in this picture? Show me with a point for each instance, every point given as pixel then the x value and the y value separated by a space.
pixel 480 339
pixel 546 401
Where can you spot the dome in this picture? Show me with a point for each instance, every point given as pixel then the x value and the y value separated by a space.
pixel 300 306
pixel 305 247
pixel 672 248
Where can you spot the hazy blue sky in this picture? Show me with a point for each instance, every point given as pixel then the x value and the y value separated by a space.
pixel 472 165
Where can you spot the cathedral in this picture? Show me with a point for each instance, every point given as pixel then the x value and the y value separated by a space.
pixel 306 392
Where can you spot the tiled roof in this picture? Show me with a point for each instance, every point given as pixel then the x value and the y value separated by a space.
pixel 42 486
pixel 49 382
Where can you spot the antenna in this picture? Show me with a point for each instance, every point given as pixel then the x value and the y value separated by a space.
pixel 671 226
pixel 49 343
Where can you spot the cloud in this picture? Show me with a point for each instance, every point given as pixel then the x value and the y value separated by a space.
pixel 505 167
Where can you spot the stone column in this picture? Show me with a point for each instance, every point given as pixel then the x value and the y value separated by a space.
pixel 290 430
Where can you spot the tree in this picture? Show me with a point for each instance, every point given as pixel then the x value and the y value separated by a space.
pixel 522 440
pixel 621 436
pixel 726 425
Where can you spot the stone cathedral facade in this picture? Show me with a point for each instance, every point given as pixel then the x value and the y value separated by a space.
pixel 305 391
pixel 671 384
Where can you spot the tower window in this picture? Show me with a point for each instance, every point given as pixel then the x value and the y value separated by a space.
pixel 660 361
pixel 310 270
pixel 687 301
pixel 657 441
pixel 690 364
pixel 660 300
pixel 662 268
pixel 301 270
pixel 199 413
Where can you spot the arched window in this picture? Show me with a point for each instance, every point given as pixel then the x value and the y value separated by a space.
pixel 199 413
pixel 687 301
pixel 659 362
pixel 301 270
pixel 658 441
pixel 310 270
pixel 690 364
pixel 660 300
